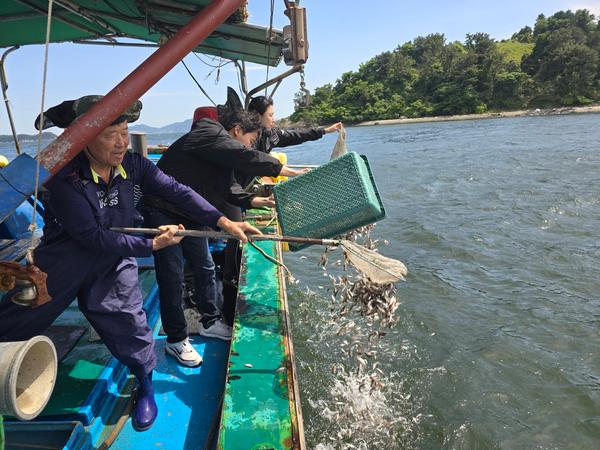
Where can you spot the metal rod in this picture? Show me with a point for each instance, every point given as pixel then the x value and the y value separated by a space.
pixel 4 83
pixel 202 48
pixel 275 88
pixel 61 18
pixel 273 80
pixel 25 15
pixel 86 128
pixel 244 78
pixel 241 67
pixel 165 28
pixel 81 12
pixel 221 235
pixel 117 44
pixel 154 6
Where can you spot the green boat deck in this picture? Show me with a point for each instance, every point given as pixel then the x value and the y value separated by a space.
pixel 261 407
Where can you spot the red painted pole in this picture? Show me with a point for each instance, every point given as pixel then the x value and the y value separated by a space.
pixel 88 126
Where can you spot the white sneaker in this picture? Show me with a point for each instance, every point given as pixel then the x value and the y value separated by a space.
pixel 184 352
pixel 219 330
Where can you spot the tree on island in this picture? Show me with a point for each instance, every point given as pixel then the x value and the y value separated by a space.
pixel 46 135
pixel 557 63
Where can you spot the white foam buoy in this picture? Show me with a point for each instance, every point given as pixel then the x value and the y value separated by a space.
pixel 27 376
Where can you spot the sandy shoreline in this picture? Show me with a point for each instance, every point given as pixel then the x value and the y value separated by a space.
pixel 521 113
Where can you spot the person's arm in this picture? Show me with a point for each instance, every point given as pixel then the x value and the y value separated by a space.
pixel 239 230
pixel 227 152
pixel 193 204
pixel 167 238
pixel 77 218
pixel 238 196
pixel 184 198
pixel 261 202
pixel 285 138
pixel 335 127
pixel 289 172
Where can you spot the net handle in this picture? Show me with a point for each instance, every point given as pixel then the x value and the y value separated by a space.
pixel 222 235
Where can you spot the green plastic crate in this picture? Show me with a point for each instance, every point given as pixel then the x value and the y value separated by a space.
pixel 333 199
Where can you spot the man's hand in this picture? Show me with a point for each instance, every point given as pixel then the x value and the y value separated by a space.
pixel 289 172
pixel 239 230
pixel 335 127
pixel 167 238
pixel 260 202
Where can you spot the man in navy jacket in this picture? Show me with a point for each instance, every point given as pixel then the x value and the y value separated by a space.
pixel 84 259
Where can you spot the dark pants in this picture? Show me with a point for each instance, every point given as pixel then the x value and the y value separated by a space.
pixel 169 265
pixel 108 293
pixel 231 274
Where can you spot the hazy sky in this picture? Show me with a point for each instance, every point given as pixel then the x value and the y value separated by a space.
pixel 342 35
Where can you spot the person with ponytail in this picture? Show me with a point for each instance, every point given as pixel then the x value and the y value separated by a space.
pixel 272 136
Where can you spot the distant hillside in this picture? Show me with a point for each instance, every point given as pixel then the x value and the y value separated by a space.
pixel 555 63
pixel 514 51
pixel 177 127
pixel 46 135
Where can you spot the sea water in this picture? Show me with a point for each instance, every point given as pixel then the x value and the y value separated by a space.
pixel 497 344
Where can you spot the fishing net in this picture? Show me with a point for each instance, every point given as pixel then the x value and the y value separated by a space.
pixel 370 290
pixel 377 268
pixel 363 308
pixel 340 145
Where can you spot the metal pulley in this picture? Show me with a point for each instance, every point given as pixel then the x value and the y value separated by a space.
pixel 26 293
pixel 302 98
pixel 28 283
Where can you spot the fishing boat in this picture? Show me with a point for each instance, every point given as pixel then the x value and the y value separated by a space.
pixel 245 394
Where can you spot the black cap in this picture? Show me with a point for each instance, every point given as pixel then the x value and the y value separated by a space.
pixel 64 114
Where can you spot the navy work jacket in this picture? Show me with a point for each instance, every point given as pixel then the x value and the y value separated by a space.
pixel 80 207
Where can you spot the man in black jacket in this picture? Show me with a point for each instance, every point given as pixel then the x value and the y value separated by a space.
pixel 205 159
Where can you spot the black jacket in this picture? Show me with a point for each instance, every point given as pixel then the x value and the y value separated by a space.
pixel 205 159
pixel 276 137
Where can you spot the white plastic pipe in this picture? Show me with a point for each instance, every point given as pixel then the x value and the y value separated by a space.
pixel 27 376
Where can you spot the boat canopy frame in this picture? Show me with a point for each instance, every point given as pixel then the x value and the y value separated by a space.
pixel 4 84
pixel 23 22
pixel 167 23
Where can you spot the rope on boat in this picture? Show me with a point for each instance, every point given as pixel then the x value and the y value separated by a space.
pixel 270 258
pixel 33 225
pixel 273 260
pixel 197 83
pixel 268 224
pixel 270 37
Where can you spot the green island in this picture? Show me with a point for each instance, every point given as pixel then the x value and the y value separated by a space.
pixel 46 136
pixel 552 68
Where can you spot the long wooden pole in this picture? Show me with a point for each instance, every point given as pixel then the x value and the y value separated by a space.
pixel 221 235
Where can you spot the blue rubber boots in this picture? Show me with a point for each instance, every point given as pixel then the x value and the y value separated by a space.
pixel 144 409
